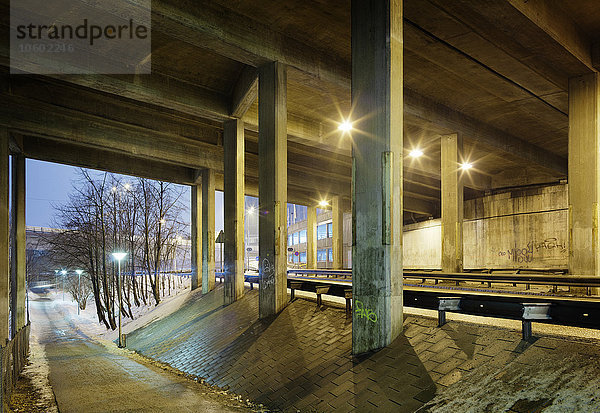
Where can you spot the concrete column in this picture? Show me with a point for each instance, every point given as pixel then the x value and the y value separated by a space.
pixel 233 142
pixel 272 187
pixel 377 82
pixel 584 175
pixel 337 227
pixel 4 236
pixel 196 236
pixel 17 230
pixel 452 204
pixel 208 230
pixel 311 237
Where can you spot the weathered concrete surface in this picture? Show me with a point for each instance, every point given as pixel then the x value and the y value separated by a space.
pixel 452 203
pixel 584 175
pixel 208 230
pixel 88 376
pixel 272 187
pixel 234 208
pixel 196 224
pixel 302 360
pixel 17 234
pixel 4 235
pixel 377 154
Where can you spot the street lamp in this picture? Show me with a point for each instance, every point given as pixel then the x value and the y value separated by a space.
pixel 64 273
pixel 79 290
pixel 119 256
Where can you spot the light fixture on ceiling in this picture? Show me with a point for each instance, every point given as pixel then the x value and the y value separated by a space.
pixel 415 153
pixel 466 166
pixel 345 126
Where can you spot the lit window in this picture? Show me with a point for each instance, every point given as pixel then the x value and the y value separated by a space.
pixel 322 231
pixel 303 257
pixel 290 240
pixel 330 230
pixel 321 255
pixel 302 236
pixel 330 254
pixel 295 238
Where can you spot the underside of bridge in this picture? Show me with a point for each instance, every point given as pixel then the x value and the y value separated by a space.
pixel 248 96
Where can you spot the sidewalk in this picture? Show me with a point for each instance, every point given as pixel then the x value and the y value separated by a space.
pixel 89 375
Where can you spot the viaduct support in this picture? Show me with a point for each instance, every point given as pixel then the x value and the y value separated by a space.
pixel 584 175
pixel 4 236
pixel 377 82
pixel 272 187
pixel 208 230
pixel 233 205
pixel 452 204
pixel 311 236
pixel 337 228
pixel 196 236
pixel 17 267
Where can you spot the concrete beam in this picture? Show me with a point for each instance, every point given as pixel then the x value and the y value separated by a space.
pixel 240 38
pixel 208 230
pixel 245 92
pixel 272 152
pixel 49 150
pixel 584 175
pixel 196 235
pixel 452 204
pixel 4 235
pixel 17 235
pixel 233 208
pixel 477 131
pixel 558 26
pixel 377 78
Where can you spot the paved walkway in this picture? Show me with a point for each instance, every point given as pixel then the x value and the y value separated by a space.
pixel 301 361
pixel 88 376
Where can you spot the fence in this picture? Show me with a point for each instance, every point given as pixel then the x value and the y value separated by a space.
pixel 12 361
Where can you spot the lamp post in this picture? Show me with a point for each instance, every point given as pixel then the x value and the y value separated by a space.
pixel 119 256
pixel 79 290
pixel 64 273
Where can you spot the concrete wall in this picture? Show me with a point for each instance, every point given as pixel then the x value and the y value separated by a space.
pixel 513 229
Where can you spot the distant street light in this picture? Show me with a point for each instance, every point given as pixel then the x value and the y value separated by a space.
pixel 64 273
pixel 119 256
pixel 79 290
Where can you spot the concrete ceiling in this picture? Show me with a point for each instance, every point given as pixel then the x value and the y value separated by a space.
pixel 495 71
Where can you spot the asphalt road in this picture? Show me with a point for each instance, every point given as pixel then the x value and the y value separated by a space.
pixel 89 376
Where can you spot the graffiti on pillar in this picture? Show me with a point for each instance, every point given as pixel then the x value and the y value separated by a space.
pixel 268 273
pixel 525 253
pixel 365 312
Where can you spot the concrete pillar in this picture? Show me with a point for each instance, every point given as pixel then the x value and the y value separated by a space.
pixel 584 175
pixel 452 204
pixel 272 187
pixel 4 236
pixel 196 236
pixel 337 228
pixel 17 266
pixel 377 82
pixel 233 142
pixel 208 230
pixel 311 237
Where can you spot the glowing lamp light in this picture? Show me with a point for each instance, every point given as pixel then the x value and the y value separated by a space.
pixel 127 187
pixel 119 255
pixel 162 221
pixel 64 272
pixel 415 153
pixel 345 126
pixel 251 210
pixel 323 203
pixel 466 166
pixel 79 272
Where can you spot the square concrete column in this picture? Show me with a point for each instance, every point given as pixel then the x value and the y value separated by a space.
pixel 208 230
pixel 196 236
pixel 337 228
pixel 311 237
pixel 377 173
pixel 584 175
pixel 272 188
pixel 452 204
pixel 4 236
pixel 18 260
pixel 233 142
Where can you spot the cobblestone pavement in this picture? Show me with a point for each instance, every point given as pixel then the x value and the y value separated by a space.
pixel 301 359
pixel 87 376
